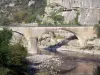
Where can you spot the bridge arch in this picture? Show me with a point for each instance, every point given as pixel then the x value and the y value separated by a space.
pixel 54 30
pixel 18 37
pixel 82 41
pixel 29 42
pixel 18 33
pixel 75 36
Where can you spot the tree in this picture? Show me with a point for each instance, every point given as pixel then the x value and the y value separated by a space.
pixel 4 20
pixel 3 71
pixel 18 52
pixel 20 16
pixel 5 37
pixel 11 56
pixel 97 30
pixel 97 71
pixel 58 19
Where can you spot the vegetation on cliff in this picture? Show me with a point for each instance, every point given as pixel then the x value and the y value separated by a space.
pixel 19 11
pixel 29 11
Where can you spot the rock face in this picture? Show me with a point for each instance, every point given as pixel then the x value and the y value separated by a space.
pixel 89 10
pixel 47 63
pixel 84 12
pixel 60 65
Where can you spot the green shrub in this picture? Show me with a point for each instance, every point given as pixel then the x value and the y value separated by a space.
pixel 11 56
pixel 99 21
pixel 18 53
pixel 60 37
pixel 5 36
pixel 76 18
pixel 5 56
pixel 3 71
pixel 97 30
pixel 4 20
pixel 97 71
pixel 20 16
pixel 58 19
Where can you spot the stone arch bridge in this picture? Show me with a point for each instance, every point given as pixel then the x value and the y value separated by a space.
pixel 31 33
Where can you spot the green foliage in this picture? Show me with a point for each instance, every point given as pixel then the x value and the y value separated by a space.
pixel 3 71
pixel 99 21
pixel 46 24
pixel 5 37
pixel 60 37
pixel 97 30
pixel 97 71
pixel 18 52
pixel 26 17
pixel 58 18
pixel 21 12
pixel 20 16
pixel 39 7
pixel 4 20
pixel 76 18
pixel 11 56
pixel 54 18
pixel 35 12
pixel 31 14
pixel 4 55
pixel 29 18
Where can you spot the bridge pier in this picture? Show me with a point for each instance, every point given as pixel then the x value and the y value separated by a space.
pixel 32 46
pixel 82 42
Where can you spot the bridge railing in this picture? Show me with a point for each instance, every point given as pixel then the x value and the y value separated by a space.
pixel 44 26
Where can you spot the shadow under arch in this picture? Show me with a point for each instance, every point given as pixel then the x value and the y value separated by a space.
pixel 71 32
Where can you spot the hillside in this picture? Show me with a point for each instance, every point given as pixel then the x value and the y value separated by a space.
pixel 50 12
pixel 18 11
pixel 84 12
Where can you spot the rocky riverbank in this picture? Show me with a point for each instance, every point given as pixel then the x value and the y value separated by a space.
pixel 63 64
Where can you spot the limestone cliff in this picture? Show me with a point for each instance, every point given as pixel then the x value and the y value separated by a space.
pixel 84 12
pixel 89 10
